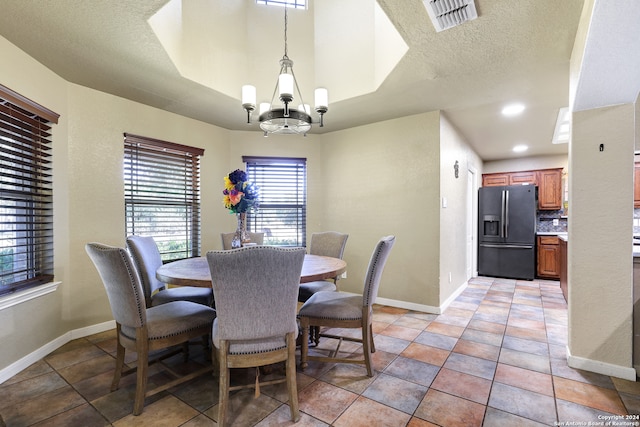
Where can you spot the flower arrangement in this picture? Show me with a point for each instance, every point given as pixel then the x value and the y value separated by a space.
pixel 240 195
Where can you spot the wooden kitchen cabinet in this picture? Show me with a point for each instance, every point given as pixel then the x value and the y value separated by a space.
pixel 549 257
pixel 495 179
pixel 550 189
pixel 549 182
pixel 526 177
pixel 636 186
pixel 564 284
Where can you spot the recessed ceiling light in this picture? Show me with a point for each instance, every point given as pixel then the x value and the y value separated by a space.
pixel 513 109
pixel 520 148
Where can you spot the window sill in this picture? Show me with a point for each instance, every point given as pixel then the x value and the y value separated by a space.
pixel 29 294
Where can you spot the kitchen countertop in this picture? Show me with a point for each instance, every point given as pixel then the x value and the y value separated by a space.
pixel 552 233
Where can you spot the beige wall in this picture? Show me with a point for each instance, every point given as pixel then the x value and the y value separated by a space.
pixel 600 265
pixel 527 163
pixel 383 179
pixel 461 208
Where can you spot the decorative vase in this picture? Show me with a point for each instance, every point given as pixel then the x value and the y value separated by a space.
pixel 240 237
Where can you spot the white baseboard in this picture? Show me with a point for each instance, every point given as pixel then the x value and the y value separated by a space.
pixel 624 372
pixel 408 305
pixel 453 296
pixel 421 307
pixel 28 360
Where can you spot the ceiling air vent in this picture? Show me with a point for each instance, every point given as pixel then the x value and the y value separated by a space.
pixel 450 13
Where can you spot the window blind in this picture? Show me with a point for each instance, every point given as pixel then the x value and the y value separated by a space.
pixel 283 199
pixel 162 194
pixel 26 192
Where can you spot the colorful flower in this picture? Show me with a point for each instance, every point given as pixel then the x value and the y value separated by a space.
pixel 239 195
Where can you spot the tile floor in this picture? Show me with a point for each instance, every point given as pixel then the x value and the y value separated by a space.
pixel 495 357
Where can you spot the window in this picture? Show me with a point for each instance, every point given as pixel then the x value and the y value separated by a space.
pixel 162 194
pixel 283 199
pixel 296 4
pixel 26 193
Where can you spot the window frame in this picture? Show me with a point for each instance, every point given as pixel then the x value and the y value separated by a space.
pixel 294 170
pixel 26 186
pixel 178 195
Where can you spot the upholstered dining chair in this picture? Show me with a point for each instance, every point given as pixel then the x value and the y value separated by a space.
pixel 147 259
pixel 346 310
pixel 257 238
pixel 145 330
pixel 328 243
pixel 256 290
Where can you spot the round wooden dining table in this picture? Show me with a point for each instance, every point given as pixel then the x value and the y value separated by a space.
pixel 195 271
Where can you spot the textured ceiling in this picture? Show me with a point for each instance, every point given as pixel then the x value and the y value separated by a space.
pixel 514 52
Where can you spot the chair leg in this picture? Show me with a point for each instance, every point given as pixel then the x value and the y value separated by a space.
pixel 304 348
pixel 366 348
pixel 373 344
pixel 120 353
pixel 185 351
pixel 205 346
pixel 142 347
pixel 223 395
pixel 291 377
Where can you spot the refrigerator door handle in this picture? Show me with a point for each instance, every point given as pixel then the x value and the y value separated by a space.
pixel 506 215
pixel 502 215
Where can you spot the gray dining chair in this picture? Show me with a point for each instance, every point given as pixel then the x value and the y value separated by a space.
pixel 328 243
pixel 256 290
pixel 145 330
pixel 346 310
pixel 147 260
pixel 257 238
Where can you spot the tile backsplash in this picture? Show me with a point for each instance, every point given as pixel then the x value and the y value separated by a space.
pixel 545 221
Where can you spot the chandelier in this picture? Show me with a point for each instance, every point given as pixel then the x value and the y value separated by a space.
pixel 283 118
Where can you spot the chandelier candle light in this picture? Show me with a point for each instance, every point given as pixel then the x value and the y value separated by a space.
pixel 286 119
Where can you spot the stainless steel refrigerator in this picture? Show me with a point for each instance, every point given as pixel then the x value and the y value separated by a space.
pixel 507 231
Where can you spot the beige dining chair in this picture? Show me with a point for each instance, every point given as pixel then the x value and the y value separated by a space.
pixel 328 243
pixel 346 310
pixel 256 290
pixel 257 238
pixel 147 260
pixel 145 330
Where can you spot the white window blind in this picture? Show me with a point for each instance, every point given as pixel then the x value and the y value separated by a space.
pixel 26 193
pixel 283 199
pixel 162 194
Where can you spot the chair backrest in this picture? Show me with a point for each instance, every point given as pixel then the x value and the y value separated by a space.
pixel 256 291
pixel 328 243
pixel 122 283
pixel 374 271
pixel 147 259
pixel 257 238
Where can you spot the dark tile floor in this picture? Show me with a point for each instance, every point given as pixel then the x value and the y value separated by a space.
pixel 495 357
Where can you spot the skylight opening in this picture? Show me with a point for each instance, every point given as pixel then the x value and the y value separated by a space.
pixel 295 4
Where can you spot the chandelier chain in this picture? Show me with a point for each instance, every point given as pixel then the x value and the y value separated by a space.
pixel 285 32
